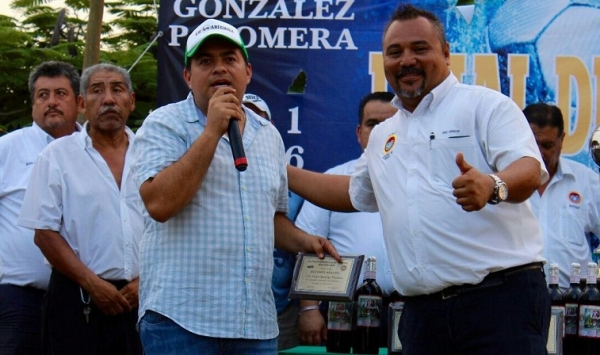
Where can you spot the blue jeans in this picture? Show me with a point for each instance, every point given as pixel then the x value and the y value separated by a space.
pixel 510 318
pixel 20 320
pixel 161 336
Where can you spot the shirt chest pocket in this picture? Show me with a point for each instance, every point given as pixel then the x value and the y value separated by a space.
pixel 269 176
pixel 572 218
pixel 442 157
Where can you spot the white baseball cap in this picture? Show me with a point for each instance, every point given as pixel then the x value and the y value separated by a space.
pixel 258 102
pixel 211 28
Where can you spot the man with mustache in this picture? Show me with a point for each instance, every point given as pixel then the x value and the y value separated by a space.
pixel 207 257
pixel 568 204
pixel 449 175
pixel 86 212
pixel 54 87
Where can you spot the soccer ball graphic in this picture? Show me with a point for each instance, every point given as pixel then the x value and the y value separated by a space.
pixel 545 30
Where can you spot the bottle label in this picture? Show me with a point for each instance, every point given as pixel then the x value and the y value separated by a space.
pixel 589 321
pixel 368 311
pixel 571 318
pixel 339 316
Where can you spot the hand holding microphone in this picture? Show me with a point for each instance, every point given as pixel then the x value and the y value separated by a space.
pixel 223 104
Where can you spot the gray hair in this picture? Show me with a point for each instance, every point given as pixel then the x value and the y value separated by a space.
pixel 89 71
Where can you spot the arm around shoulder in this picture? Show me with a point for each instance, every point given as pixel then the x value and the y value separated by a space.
pixel 324 190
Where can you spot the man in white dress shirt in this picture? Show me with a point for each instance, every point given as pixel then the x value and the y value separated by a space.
pixel 357 233
pixel 450 174
pixel 568 204
pixel 87 216
pixel 54 87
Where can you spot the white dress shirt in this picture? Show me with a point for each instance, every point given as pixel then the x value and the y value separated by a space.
pixel 358 233
pixel 21 261
pixel 72 191
pixel 568 211
pixel 406 174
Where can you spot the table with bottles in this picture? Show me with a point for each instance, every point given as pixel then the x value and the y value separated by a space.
pixel 312 350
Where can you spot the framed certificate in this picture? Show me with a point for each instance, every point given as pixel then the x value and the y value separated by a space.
pixel 325 279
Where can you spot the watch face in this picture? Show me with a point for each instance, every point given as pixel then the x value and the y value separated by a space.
pixel 502 192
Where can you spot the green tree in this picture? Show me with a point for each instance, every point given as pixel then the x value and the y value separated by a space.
pixel 44 33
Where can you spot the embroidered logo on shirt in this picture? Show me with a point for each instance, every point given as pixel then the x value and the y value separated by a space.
pixel 575 197
pixel 389 145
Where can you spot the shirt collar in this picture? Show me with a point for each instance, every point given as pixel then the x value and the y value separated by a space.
pixel 41 134
pixel 86 140
pixel 563 169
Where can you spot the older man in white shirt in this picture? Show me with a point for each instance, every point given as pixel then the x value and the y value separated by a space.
pixel 87 216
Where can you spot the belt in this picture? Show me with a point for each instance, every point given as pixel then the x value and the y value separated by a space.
pixel 491 280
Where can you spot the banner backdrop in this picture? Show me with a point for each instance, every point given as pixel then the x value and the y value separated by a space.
pixel 313 60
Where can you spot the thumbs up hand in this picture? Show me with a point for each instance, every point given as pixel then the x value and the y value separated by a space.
pixel 472 188
pixel 462 164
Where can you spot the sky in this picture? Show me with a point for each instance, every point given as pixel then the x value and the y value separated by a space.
pixel 5 9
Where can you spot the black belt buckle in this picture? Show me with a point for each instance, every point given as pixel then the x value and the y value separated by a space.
pixel 448 293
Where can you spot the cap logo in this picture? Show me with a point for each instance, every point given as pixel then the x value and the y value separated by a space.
pixel 211 28
pixel 214 27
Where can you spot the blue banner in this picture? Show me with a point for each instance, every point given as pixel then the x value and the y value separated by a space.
pixel 531 51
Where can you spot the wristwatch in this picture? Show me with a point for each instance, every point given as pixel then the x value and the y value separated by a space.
pixel 500 190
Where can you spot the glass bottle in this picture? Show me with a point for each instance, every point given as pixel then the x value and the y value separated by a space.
pixel 557 322
pixel 339 327
pixel 589 314
pixel 555 294
pixel 367 318
pixel 571 297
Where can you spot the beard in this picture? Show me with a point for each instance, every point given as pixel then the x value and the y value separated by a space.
pixel 411 94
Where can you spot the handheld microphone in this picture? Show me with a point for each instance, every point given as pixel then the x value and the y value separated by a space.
pixel 237 147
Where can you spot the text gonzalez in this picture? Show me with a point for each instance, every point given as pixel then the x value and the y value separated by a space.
pixel 280 37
